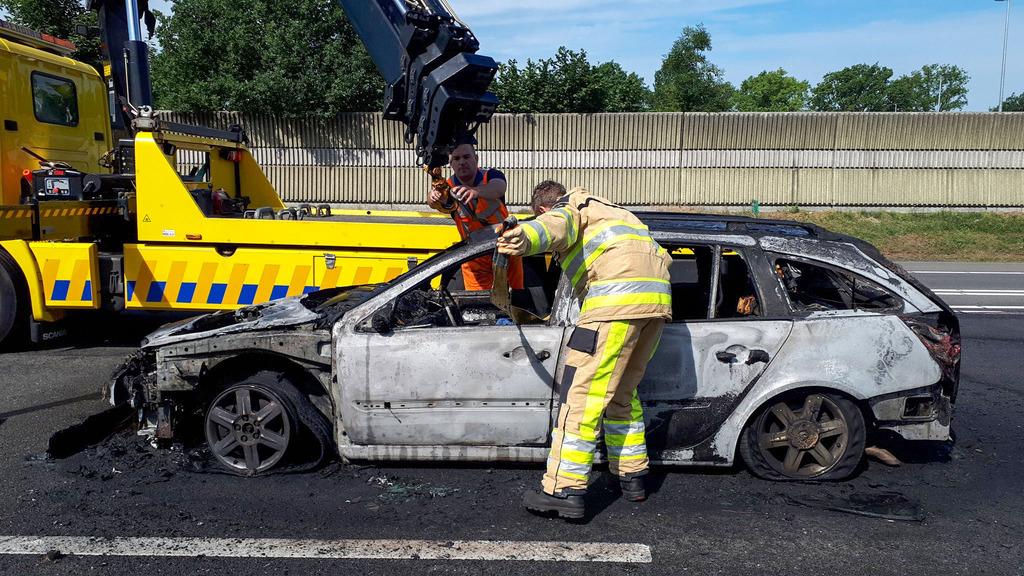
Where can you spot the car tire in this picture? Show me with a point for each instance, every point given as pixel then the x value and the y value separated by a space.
pixel 804 435
pixel 262 423
pixel 13 315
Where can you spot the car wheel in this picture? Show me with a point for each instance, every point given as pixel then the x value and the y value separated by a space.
pixel 12 317
pixel 805 435
pixel 257 424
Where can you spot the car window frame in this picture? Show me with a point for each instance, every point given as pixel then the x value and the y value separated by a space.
pixel 74 94
pixel 774 257
pixel 753 257
pixel 442 272
pixel 424 273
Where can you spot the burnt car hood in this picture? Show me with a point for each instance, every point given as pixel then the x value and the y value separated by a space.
pixel 313 310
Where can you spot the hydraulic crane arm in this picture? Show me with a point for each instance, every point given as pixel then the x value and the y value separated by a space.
pixel 436 82
pixel 127 53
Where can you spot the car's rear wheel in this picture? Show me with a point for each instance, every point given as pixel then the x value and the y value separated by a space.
pixel 261 422
pixel 805 435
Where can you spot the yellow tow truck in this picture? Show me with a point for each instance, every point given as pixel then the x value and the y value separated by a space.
pixel 87 223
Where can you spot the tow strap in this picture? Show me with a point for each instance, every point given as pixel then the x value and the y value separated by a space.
pixel 500 294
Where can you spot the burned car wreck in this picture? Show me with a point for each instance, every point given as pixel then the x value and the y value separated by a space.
pixel 789 347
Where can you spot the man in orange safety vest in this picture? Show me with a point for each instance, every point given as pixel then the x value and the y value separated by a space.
pixel 477 199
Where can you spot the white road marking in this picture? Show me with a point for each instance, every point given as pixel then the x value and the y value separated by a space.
pixel 986 308
pixel 330 549
pixel 989 312
pixel 973 273
pixel 979 292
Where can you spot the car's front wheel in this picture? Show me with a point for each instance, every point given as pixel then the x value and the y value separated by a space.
pixel 804 435
pixel 13 317
pixel 258 423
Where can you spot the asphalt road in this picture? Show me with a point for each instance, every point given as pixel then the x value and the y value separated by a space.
pixel 966 500
pixel 990 288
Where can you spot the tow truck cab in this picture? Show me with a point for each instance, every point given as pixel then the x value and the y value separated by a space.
pixel 51 104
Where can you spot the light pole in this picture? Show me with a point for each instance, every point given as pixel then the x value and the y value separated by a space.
pixel 1006 36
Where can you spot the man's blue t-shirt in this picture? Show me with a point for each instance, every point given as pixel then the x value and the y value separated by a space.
pixel 492 174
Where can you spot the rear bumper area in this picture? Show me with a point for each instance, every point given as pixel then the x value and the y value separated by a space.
pixel 920 414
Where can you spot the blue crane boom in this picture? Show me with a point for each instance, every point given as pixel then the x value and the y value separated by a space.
pixel 436 83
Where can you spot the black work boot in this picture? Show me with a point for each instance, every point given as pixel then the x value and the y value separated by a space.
pixel 633 488
pixel 567 505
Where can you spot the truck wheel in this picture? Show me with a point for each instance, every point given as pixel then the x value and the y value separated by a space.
pixel 804 435
pixel 257 424
pixel 13 325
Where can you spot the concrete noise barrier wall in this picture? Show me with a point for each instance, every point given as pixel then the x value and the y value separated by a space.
pixel 807 159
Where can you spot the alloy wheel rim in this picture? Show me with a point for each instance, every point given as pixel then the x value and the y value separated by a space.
pixel 248 429
pixel 804 441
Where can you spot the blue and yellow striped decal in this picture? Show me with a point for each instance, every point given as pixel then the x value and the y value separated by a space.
pixel 199 278
pixel 69 273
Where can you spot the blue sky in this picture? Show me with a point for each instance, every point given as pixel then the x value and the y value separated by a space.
pixel 806 37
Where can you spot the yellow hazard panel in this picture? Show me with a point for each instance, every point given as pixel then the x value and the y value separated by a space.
pixel 72 220
pixel 15 222
pixel 206 278
pixel 70 273
pixel 58 220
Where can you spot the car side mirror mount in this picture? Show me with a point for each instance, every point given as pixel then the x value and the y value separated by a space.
pixel 381 322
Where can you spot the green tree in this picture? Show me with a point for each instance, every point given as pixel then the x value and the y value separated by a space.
pixel 773 91
pixel 934 87
pixel 687 81
pixel 286 58
pixel 568 82
pixel 1013 103
pixel 622 91
pixel 858 88
pixel 58 18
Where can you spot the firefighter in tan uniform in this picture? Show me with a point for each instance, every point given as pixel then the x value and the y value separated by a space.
pixel 621 276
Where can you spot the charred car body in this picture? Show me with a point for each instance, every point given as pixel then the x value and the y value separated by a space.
pixel 790 346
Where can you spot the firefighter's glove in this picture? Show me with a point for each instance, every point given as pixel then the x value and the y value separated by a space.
pixel 513 242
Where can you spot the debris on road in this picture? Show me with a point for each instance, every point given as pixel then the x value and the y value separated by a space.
pixel 882 455
pixel 883 505
pixel 53 555
pixel 399 489
pixel 92 430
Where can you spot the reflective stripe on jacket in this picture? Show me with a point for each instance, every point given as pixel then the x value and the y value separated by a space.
pixel 617 270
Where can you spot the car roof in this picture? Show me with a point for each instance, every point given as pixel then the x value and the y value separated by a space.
pixel 724 223
pixel 711 224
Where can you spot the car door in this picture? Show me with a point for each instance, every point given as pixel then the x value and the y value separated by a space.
pixel 470 385
pixel 709 355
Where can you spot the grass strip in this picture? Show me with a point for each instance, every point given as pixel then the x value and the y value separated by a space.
pixel 935 236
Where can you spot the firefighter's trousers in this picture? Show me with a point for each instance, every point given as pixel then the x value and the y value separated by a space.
pixel 606 362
